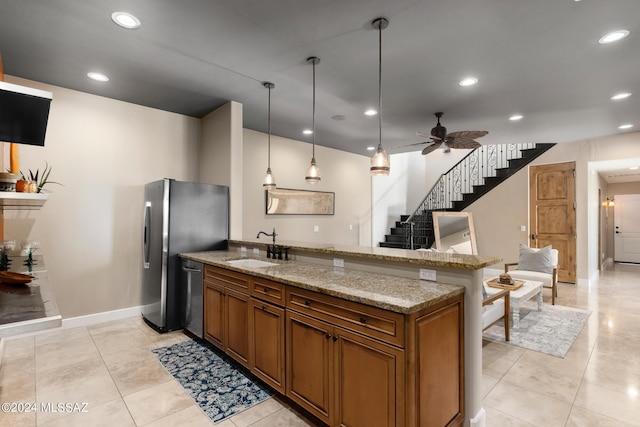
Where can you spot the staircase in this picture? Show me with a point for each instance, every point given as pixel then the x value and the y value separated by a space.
pixel 482 170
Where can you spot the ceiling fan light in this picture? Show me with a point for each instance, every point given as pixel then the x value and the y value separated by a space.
pixel 269 182
pixel 313 173
pixel 380 162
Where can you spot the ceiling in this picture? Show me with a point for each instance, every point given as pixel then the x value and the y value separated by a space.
pixel 537 58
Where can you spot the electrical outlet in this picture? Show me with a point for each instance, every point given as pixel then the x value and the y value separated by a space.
pixel 426 274
pixel 243 249
pixel 523 228
pixel 256 251
pixel 338 262
pixel 316 228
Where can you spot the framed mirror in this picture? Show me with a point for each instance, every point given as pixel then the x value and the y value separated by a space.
pixel 454 232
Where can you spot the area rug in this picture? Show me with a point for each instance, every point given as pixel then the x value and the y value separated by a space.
pixel 216 386
pixel 551 331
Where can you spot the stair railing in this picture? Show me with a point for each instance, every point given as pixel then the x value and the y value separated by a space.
pixel 481 163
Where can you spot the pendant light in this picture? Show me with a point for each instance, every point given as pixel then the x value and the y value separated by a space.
pixel 380 164
pixel 313 172
pixel 269 180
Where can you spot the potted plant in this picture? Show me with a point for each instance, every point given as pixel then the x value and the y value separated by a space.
pixel 35 182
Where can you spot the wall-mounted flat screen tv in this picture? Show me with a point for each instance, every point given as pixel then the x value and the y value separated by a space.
pixel 24 113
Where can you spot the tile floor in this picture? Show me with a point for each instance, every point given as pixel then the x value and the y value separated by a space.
pixel 110 367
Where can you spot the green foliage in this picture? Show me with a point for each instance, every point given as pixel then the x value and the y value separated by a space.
pixel 40 180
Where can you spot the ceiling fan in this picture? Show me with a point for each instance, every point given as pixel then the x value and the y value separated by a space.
pixel 441 139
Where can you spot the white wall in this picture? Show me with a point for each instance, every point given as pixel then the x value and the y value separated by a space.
pixel 344 173
pixel 103 151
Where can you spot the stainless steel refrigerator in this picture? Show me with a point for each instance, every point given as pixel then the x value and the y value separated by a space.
pixel 178 217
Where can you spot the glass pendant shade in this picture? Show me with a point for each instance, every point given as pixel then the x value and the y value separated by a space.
pixel 313 173
pixel 380 163
pixel 269 180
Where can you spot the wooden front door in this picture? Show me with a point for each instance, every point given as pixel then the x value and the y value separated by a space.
pixel 627 228
pixel 552 193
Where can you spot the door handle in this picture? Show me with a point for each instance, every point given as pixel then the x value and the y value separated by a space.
pixel 146 234
pixel 533 237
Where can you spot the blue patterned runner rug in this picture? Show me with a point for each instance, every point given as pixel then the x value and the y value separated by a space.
pixel 220 389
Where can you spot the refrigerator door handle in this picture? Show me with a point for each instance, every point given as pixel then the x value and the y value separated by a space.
pixel 146 230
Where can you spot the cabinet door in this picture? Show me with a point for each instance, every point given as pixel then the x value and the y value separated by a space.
pixel 266 334
pixel 310 364
pixel 214 314
pixel 237 326
pixel 369 382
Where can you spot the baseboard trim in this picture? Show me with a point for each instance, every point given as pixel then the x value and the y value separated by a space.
pixel 87 320
pixel 106 316
pixel 479 420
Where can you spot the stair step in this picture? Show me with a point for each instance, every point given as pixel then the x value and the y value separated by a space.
pixel 394 238
pixel 391 245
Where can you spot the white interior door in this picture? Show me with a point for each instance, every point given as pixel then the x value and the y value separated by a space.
pixel 627 228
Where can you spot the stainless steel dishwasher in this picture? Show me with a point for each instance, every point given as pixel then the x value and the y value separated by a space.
pixel 192 310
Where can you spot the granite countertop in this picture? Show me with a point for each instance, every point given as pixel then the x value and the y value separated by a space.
pixel 418 257
pixel 397 294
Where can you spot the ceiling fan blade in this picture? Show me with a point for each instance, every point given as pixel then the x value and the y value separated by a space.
pixel 411 145
pixel 430 148
pixel 464 143
pixel 427 135
pixel 469 134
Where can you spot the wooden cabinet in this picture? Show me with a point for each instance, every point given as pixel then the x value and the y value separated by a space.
pixel 347 363
pixel 310 364
pixel 214 314
pixel 226 312
pixel 342 377
pixel 266 342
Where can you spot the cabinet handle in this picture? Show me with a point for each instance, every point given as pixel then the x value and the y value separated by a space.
pixel 263 308
pixel 327 335
pixel 307 303
pixel 266 290
pixel 363 319
pixel 335 339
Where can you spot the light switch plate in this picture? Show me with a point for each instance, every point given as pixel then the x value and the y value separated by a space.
pixel 426 274
pixel 338 262
pixel 316 228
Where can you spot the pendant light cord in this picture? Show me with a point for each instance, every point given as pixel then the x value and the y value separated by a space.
pixel 380 85
pixel 313 120
pixel 269 129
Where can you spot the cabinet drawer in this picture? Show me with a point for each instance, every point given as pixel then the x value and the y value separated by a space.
pixel 371 321
pixel 267 290
pixel 227 278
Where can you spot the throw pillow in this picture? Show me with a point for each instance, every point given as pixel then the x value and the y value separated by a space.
pixel 532 259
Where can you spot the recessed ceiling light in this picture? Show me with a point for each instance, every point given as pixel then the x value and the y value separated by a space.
pixel 371 148
pixel 633 168
pixel 98 77
pixel 468 81
pixel 625 126
pixel 126 20
pixel 613 36
pixel 370 112
pixel 621 95
pixel 307 131
pixel 516 117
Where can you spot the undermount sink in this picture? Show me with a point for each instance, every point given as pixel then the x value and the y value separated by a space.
pixel 252 263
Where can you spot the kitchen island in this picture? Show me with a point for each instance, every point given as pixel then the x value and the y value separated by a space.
pixel 417 344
